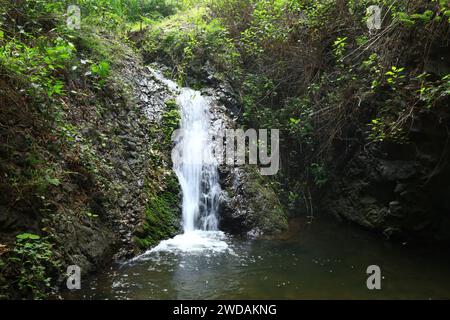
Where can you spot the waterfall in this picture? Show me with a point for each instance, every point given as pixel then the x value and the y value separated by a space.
pixel 197 170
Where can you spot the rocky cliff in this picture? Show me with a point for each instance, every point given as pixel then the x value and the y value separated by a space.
pixel 398 189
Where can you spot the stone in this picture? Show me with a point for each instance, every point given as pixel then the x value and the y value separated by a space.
pixel 395 209
pixel 397 170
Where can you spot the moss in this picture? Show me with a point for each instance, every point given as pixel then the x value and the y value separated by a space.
pixel 161 214
pixel 101 47
pixel 170 120
pixel 162 210
pixel 269 216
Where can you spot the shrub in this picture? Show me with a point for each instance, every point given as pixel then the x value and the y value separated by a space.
pixel 34 263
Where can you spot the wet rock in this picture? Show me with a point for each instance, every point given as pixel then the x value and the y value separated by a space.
pixel 93 244
pixel 7 220
pixel 395 208
pixel 396 189
pixel 249 206
pixel 400 187
pixel 397 170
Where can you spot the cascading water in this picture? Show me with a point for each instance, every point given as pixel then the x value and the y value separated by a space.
pixel 196 168
pixel 197 172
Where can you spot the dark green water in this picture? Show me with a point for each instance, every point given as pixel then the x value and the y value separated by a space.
pixel 325 260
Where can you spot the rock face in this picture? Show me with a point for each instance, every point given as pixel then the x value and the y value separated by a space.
pixel 115 190
pixel 117 193
pixel 131 207
pixel 399 189
pixel 249 205
pixel 157 215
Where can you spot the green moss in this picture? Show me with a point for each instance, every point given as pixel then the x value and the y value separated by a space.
pixel 161 219
pixel 170 121
pixel 162 211
pixel 161 214
pixel 267 213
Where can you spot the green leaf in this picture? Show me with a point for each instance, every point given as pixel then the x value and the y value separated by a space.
pixel 31 236
pixel 53 181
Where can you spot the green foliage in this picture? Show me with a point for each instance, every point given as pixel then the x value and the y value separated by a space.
pixel 25 236
pixel 339 47
pixel 394 77
pixel 382 129
pixel 52 181
pixel 101 71
pixel 378 128
pixel 37 179
pixel 289 83
pixel 301 127
pixel 435 13
pixel 129 10
pixel 34 261
pixel 319 174
pixel 405 19
pixel 256 89
pixel 293 198
pixel 188 41
pixel 433 93
pixel 264 30
pixel 372 65
pixel 170 119
pixel 90 215
pixel 37 66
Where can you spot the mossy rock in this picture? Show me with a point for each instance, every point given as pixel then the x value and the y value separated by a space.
pixel 251 206
pixel 162 213
pixel 162 216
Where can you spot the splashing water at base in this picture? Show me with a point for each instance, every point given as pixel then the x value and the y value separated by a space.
pixel 197 241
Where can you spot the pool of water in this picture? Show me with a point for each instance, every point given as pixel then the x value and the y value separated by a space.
pixel 322 260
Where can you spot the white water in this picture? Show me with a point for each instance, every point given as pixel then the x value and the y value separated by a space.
pixel 197 170
pixel 198 176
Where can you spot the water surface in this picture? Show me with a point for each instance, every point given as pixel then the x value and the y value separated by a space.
pixel 324 260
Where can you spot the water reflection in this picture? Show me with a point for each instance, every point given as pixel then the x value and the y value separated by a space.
pixel 327 260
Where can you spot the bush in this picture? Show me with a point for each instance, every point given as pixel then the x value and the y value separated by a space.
pixel 188 42
pixel 33 264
